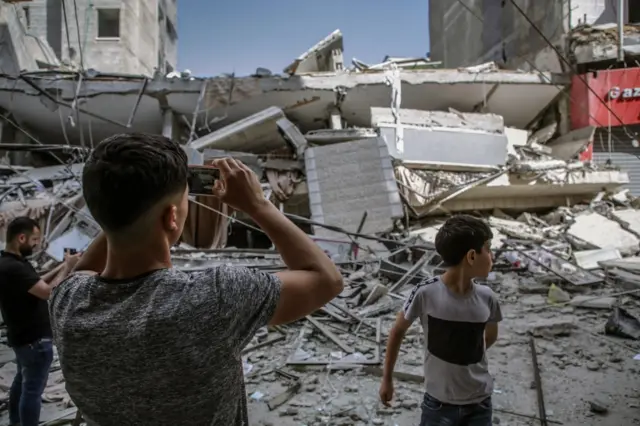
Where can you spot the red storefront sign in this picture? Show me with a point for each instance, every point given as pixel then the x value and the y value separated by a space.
pixel 619 89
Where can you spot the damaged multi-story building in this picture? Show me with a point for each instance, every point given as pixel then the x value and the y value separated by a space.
pixel 133 37
pixel 333 143
pixel 596 41
pixel 368 159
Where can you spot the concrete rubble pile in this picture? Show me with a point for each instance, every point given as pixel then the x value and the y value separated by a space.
pixel 567 264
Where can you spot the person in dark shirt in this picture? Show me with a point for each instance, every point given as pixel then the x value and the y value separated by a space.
pixel 23 303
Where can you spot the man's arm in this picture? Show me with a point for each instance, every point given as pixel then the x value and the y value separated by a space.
pixel 52 273
pixel 396 335
pixel 94 259
pixel 27 278
pixel 312 279
pixel 490 334
pixel 411 310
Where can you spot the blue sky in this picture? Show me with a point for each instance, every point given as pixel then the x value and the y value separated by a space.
pixel 217 36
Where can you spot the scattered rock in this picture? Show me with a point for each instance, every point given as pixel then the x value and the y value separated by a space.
pixel 593 366
pixel 289 411
pixel 409 404
pixel 598 407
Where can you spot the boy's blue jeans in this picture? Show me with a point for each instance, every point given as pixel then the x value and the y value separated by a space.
pixel 436 413
pixel 25 396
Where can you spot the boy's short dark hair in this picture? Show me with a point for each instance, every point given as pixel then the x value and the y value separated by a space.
pixel 458 235
pixel 127 174
pixel 21 225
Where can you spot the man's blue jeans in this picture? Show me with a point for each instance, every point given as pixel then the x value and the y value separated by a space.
pixel 25 396
pixel 436 413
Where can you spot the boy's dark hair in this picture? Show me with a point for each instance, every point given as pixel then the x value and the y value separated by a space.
pixel 127 174
pixel 21 225
pixel 458 235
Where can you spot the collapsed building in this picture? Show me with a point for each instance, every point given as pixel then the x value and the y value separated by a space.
pixel 368 160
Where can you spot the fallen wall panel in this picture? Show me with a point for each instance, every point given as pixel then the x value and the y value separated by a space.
pixel 448 147
pixel 347 179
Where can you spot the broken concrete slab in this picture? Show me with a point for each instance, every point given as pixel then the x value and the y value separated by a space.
pixel 331 136
pixel 631 263
pixel 490 123
pixel 515 138
pixel 600 232
pixel 293 136
pixel 589 259
pixel 552 327
pixel 593 303
pixel 629 219
pixel 256 134
pixel 446 149
pixel 377 291
pixel 570 145
pixel 516 229
pixel 324 56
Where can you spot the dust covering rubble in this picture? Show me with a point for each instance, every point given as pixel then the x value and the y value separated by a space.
pixel 567 264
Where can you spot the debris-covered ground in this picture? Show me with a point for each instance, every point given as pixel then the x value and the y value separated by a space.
pixel 578 306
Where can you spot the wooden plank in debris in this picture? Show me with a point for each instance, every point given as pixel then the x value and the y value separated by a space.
pixel 415 269
pixel 335 339
pixel 400 375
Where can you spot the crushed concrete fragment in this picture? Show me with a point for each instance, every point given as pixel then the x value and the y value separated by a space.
pixel 598 407
pixel 589 259
pixel 600 232
pixel 590 302
pixel 552 327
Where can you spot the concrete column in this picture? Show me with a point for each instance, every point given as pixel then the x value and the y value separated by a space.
pixel 169 127
pixel 335 119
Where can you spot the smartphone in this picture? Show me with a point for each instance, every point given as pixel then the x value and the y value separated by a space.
pixel 201 179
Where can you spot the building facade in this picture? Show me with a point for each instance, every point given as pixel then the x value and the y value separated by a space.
pixel 112 36
pixel 605 88
pixel 610 102
pixel 471 32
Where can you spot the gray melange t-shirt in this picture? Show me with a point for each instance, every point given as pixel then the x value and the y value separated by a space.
pixel 455 365
pixel 161 349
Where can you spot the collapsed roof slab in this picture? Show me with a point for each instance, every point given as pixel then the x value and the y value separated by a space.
pixel 257 133
pixel 318 58
pixel 507 193
pixel 445 140
pixel 447 149
pixel 305 99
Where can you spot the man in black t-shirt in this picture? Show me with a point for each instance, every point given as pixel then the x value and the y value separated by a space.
pixel 23 302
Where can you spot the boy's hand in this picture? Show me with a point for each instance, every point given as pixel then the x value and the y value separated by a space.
pixel 238 186
pixel 386 391
pixel 71 259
